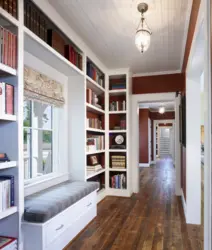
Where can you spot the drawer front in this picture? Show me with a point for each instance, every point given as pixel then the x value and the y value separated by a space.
pixel 62 221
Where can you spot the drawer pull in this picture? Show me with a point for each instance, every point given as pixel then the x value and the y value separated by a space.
pixel 60 227
pixel 89 204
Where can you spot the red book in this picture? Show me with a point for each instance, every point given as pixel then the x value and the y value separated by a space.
pixel 5 50
pixel 9 102
pixel 7 241
pixel 14 51
pixel 9 57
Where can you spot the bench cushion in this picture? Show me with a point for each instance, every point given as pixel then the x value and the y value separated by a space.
pixel 44 205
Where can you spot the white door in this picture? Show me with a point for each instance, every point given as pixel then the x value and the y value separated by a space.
pixel 165 142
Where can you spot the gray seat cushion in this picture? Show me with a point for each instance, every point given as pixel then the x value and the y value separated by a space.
pixel 44 205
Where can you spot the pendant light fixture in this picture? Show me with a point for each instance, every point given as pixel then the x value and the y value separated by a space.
pixel 143 33
pixel 161 110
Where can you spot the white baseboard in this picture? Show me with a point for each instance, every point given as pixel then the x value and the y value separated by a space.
pixel 144 165
pixel 183 202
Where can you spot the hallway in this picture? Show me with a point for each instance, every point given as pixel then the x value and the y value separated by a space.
pixel 150 220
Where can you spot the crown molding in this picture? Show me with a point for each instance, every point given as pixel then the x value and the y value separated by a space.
pixel 186 27
pixel 158 73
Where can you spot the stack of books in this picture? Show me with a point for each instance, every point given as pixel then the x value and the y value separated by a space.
pixel 73 56
pixel 6 99
pixel 118 181
pixel 118 161
pixel 8 243
pixel 118 86
pixel 94 123
pixel 118 106
pixel 95 143
pixel 10 6
pixel 93 169
pixel 96 75
pixel 123 124
pixel 8 48
pixel 6 192
pixel 92 98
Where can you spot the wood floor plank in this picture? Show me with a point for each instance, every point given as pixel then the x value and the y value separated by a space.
pixel 153 219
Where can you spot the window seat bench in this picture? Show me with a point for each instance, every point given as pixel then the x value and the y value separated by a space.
pixel 53 217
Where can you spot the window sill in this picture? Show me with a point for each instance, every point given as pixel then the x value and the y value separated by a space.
pixel 41 184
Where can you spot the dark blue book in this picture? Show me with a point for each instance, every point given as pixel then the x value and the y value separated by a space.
pixel 12 187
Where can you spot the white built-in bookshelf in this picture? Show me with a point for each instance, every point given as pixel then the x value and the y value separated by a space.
pixel 94 76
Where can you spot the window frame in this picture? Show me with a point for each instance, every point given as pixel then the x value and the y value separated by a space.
pixel 54 159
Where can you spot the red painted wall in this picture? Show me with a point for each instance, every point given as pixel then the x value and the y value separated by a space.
pixel 143 136
pixel 158 84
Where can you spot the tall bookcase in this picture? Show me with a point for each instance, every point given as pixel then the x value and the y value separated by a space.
pixel 88 94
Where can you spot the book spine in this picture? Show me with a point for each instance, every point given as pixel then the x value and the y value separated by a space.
pixel 12 191
pixel 1 3
pixel 10 6
pixel 5 47
pixel 5 5
pixel 14 8
pixel 2 98
pixel 1 196
pixel 9 96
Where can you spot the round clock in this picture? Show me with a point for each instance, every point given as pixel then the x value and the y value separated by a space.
pixel 119 139
pixel 118 142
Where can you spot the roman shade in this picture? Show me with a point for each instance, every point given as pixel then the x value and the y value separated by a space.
pixel 39 87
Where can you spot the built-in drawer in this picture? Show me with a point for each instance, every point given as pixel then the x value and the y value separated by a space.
pixel 57 225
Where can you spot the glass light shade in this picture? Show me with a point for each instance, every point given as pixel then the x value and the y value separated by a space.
pixel 161 110
pixel 142 40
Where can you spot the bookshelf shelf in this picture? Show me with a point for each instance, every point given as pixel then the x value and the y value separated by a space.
pixel 8 212
pixel 94 86
pixel 94 109
pixel 95 130
pixel 9 17
pixel 9 164
pixel 95 174
pixel 118 131
pixel 118 169
pixel 6 69
pixel 11 118
pixel 117 92
pixel 96 152
pixel 37 47
pixel 117 150
pixel 118 112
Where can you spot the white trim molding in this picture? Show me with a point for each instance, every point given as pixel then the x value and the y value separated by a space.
pixel 144 165
pixel 157 73
pixel 183 202
pixel 135 100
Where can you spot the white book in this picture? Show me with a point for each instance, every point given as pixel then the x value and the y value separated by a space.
pixel 2 98
pixel 1 194
pixel 12 246
pixel 5 194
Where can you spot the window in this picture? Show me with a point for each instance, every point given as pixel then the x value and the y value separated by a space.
pixel 39 138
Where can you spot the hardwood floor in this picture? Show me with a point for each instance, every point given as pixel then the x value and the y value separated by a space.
pixel 150 220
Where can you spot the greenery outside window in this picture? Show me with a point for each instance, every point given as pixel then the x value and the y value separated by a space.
pixel 39 139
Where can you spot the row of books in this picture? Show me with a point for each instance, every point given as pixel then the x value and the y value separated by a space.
pixel 121 125
pixel 118 181
pixel 10 6
pixel 35 20
pixel 8 47
pixel 6 99
pixel 93 169
pixel 73 56
pixel 91 97
pixel 95 143
pixel 8 243
pixel 93 73
pixel 118 161
pixel 94 123
pixel 118 86
pixel 118 106
pixel 6 192
pixel 39 24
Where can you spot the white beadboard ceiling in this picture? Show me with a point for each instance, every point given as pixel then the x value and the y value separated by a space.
pixel 154 106
pixel 108 27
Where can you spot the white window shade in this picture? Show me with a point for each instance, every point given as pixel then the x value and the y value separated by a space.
pixel 39 87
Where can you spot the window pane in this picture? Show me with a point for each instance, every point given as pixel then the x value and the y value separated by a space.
pixel 27 113
pixel 47 152
pixel 42 116
pixel 27 153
